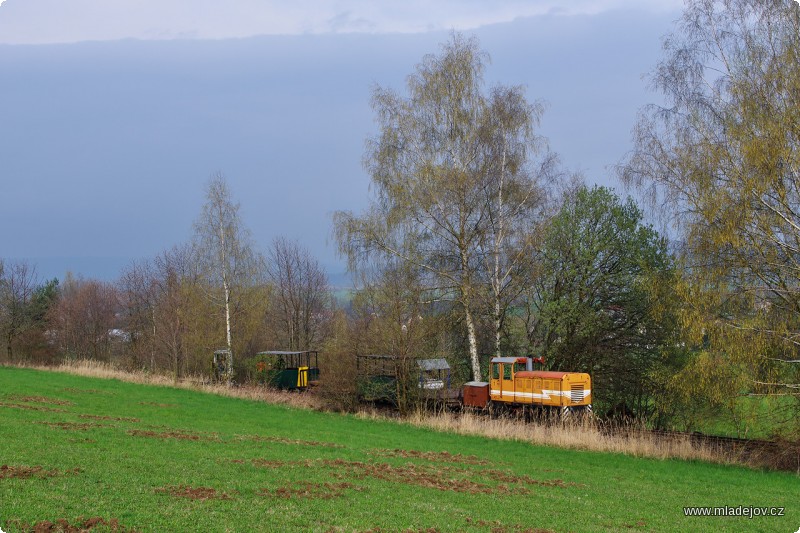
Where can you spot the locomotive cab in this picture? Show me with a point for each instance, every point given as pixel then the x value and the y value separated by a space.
pixel 512 380
pixel 502 371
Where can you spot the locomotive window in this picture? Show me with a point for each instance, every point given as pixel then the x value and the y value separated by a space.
pixel 495 371
pixel 519 367
pixel 507 371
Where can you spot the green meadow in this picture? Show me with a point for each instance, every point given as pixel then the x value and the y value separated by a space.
pixel 105 455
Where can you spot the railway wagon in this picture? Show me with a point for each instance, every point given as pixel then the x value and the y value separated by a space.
pixel 289 370
pixel 380 378
pixel 514 383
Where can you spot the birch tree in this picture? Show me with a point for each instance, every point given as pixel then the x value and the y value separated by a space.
pixel 724 158
pixel 226 260
pixel 437 175
pixel 520 169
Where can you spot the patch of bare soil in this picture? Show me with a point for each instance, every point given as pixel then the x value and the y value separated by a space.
pixel 444 457
pixel 62 525
pixel 409 530
pixel 637 525
pixel 103 417
pixel 510 477
pixel 441 478
pixel 82 441
pixel 308 490
pixel 154 404
pixel 39 399
pixel 270 463
pixel 73 426
pixel 410 474
pixel 194 493
pixel 175 434
pixel 498 527
pixel 28 407
pixel 275 463
pixel 26 472
pixel 284 440
pixel 85 391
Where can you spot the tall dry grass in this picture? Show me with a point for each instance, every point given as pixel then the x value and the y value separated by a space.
pixel 583 434
pixel 578 435
pixel 99 369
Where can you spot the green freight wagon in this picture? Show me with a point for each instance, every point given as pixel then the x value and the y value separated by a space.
pixel 379 376
pixel 376 378
pixel 289 370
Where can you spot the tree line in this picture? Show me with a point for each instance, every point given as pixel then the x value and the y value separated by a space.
pixel 477 243
pixel 169 313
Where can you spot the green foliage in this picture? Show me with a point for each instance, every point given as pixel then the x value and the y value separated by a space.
pixel 378 389
pixel 600 305
pixel 44 296
pixel 224 256
pixel 24 306
pixel 285 469
pixel 707 387
pixel 456 174
pixel 264 368
pixel 395 314
pixel 722 159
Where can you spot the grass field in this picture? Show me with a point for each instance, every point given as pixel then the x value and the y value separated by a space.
pixel 115 455
pixel 758 417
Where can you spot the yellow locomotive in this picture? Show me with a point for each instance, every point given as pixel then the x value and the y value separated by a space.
pixel 514 383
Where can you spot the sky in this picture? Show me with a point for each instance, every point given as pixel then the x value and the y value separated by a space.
pixel 115 113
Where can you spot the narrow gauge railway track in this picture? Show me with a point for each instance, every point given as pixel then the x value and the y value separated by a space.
pixel 755 452
pixel 771 454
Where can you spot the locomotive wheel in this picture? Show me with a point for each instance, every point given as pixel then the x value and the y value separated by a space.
pixel 577 414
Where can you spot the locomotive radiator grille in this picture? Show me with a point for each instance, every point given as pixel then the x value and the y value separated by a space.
pixel 577 394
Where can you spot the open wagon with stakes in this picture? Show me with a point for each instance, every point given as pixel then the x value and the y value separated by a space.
pixel 514 385
pixel 379 378
pixel 288 370
pixel 222 365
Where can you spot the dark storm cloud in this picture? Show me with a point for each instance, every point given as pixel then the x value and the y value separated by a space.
pixel 106 147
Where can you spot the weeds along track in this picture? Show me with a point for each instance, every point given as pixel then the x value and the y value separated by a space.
pixel 98 369
pixel 630 440
pixel 756 452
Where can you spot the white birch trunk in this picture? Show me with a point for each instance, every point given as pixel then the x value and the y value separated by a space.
pixel 227 289
pixel 228 329
pixel 473 344
pixel 466 295
pixel 153 342
pixel 498 241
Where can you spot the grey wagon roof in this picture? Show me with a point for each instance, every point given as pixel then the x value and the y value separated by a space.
pixel 505 359
pixel 277 352
pixel 433 364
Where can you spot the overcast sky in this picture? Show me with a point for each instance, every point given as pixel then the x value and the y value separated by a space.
pixel 114 113
pixel 67 21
